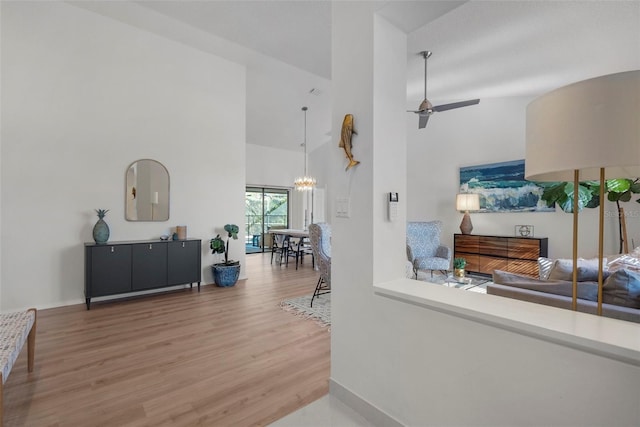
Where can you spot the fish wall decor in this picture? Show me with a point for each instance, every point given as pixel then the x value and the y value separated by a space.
pixel 345 140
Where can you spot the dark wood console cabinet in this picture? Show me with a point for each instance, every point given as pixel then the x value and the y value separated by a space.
pixel 122 267
pixel 487 253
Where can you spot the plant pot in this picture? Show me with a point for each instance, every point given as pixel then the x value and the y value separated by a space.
pixel 226 275
pixel 458 273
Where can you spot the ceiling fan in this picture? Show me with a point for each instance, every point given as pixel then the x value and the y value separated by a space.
pixel 426 109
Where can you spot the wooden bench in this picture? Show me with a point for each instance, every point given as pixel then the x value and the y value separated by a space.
pixel 15 329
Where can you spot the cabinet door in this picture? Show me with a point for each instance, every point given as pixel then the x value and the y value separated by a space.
pixel 489 263
pixel 110 270
pixel 149 266
pixel 473 261
pixel 524 248
pixel 529 268
pixel 466 243
pixel 489 245
pixel 184 262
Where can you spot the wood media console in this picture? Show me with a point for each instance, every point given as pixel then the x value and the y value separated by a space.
pixel 487 253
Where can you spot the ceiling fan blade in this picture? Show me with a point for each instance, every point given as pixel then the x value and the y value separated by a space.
pixel 453 105
pixel 424 118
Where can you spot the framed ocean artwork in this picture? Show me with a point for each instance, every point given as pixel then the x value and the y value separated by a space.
pixel 502 188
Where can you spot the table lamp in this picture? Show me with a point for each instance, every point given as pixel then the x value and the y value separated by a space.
pixel 467 202
pixel 586 131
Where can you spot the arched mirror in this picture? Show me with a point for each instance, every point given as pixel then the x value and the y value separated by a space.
pixel 147 191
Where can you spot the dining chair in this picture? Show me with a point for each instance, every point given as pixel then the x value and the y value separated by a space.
pixel 293 250
pixel 320 237
pixel 279 247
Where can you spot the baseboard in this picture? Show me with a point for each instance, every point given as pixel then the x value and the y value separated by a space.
pixel 374 415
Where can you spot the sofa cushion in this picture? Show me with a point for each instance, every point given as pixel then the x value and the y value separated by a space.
pixel 563 268
pixel 622 287
pixel 505 278
pixel 586 290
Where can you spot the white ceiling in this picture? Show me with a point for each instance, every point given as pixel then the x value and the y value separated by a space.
pixel 481 49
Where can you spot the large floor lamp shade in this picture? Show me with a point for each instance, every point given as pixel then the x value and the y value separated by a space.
pixel 589 130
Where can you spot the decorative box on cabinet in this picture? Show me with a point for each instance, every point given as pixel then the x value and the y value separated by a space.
pixel 122 267
pixel 487 253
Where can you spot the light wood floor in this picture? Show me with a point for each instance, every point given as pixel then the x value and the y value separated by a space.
pixel 221 357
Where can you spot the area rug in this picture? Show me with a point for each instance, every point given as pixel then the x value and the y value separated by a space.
pixel 301 306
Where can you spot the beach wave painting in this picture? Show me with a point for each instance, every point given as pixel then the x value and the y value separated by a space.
pixel 502 188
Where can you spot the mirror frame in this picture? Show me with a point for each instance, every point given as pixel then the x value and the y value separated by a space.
pixel 127 192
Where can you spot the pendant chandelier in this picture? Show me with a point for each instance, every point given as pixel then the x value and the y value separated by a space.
pixel 306 182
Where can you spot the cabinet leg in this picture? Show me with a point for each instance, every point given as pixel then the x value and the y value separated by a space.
pixel 198 286
pixel 88 300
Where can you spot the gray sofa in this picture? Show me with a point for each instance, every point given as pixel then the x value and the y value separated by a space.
pixel 621 294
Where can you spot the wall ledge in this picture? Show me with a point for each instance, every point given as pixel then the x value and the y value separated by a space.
pixel 611 338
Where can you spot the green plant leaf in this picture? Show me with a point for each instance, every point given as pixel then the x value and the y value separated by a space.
pixel 233 230
pixel 595 200
pixel 566 202
pixel 217 245
pixel 618 185
pixel 553 193
pixel 625 197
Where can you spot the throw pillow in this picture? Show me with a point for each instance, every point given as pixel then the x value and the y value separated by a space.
pixel 544 267
pixel 622 287
pixel 627 261
pixel 562 269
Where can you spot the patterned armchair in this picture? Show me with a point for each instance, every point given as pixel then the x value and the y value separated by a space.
pixel 320 237
pixel 424 250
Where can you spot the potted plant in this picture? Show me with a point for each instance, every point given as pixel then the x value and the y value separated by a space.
pixel 458 267
pixel 225 273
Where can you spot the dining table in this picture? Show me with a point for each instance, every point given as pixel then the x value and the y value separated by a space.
pixel 291 232
pixel 297 234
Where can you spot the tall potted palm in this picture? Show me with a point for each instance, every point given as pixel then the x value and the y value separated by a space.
pixel 225 273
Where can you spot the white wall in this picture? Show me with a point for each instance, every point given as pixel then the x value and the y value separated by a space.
pixel 422 366
pixel 365 247
pixel 439 369
pixel 1 71
pixel 82 97
pixel 273 167
pixel 492 131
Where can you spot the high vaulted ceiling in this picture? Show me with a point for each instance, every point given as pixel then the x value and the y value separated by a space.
pixel 481 50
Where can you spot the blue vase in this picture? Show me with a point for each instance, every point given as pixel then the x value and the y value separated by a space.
pixel 101 229
pixel 226 275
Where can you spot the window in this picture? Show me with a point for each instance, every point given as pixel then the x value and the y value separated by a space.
pixel 264 208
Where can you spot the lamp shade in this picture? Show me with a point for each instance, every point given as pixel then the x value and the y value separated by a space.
pixel 467 202
pixel 585 126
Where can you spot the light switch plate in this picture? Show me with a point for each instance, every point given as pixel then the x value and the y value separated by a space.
pixel 342 207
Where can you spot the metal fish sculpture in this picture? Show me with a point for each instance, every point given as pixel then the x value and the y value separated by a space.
pixel 345 139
